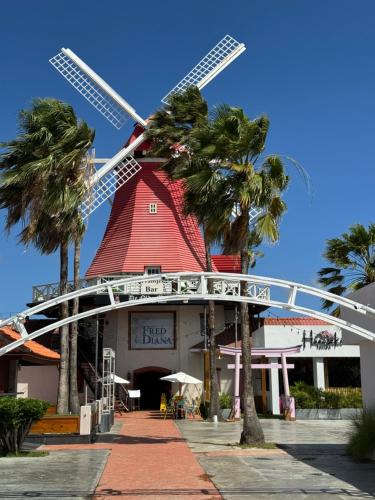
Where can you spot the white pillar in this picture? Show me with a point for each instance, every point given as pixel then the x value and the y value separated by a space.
pixel 237 398
pixel 285 375
pixel 274 402
pixel 318 369
pixel 85 420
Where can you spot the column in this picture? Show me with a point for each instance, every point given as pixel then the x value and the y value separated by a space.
pixel 274 401
pixel 285 375
pixel 318 370
pixel 237 398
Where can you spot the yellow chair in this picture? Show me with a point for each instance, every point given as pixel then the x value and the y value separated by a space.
pixel 163 403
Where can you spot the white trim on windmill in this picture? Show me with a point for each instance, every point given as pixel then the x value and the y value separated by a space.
pixel 123 166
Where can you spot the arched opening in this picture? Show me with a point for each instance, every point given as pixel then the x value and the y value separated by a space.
pixel 147 379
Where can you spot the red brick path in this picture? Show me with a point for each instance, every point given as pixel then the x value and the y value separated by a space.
pixel 149 459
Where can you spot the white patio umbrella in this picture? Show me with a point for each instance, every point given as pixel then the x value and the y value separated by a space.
pixel 117 379
pixel 181 378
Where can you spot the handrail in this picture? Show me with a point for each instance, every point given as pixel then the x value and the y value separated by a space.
pixel 165 288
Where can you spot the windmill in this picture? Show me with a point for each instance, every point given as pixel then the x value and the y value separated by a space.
pixel 119 169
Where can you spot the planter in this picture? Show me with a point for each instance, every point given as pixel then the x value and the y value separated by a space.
pixel 225 412
pixel 56 424
pixel 327 414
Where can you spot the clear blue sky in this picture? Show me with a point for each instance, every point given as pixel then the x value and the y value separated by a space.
pixel 309 65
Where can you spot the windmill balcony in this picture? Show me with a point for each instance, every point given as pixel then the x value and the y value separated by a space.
pixel 188 285
pixel 41 293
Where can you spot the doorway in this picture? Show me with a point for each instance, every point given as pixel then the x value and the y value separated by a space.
pixel 151 387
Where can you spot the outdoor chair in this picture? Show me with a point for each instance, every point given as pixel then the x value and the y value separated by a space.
pixel 134 399
pixel 192 410
pixel 120 406
pixel 170 409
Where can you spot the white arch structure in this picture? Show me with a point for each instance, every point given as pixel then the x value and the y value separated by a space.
pixel 186 287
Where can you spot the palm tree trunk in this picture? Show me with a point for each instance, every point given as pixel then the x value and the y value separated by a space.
pixel 63 389
pixel 73 387
pixel 214 388
pixel 252 432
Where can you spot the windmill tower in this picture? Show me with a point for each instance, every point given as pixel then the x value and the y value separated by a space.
pixel 146 231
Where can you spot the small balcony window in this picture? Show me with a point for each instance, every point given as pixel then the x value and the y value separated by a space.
pixel 152 270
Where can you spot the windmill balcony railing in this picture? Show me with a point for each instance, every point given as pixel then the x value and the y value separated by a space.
pixel 178 285
pixel 41 293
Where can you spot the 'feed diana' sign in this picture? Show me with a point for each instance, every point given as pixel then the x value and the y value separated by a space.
pixel 152 330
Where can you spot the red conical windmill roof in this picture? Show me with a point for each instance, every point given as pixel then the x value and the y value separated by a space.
pixel 135 238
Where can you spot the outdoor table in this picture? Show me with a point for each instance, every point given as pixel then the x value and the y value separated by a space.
pixel 179 409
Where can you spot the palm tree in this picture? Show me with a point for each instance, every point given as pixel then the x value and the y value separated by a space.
pixel 186 114
pixel 42 186
pixel 204 196
pixel 352 262
pixel 230 146
pixel 254 181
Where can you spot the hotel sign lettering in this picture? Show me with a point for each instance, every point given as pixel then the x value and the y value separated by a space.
pixel 322 340
pixel 152 330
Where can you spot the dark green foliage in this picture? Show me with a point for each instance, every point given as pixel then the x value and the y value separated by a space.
pixel 219 156
pixel 351 260
pixel 26 454
pixel 42 181
pixel 16 417
pixel 225 401
pixel 308 396
pixel 361 444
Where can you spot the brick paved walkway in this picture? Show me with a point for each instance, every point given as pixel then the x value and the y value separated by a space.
pixel 149 459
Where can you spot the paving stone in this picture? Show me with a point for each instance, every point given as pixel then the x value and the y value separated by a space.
pixel 63 474
pixel 312 463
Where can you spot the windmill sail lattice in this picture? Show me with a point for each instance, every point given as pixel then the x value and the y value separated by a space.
pixel 108 184
pixel 122 167
pixel 93 88
pixel 211 65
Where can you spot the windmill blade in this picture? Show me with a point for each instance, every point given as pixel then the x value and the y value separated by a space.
pixel 213 63
pixel 103 189
pixel 93 88
pixel 111 177
pixel 254 214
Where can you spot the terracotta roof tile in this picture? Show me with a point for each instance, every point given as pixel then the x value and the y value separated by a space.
pixel 31 346
pixel 294 321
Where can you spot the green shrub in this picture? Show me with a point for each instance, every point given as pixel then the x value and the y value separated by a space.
pixel 308 396
pixel 16 417
pixel 225 401
pixel 361 444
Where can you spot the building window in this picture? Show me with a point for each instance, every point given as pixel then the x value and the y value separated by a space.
pixel 153 208
pixel 152 270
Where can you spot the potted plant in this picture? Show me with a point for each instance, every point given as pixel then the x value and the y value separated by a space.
pixel 226 405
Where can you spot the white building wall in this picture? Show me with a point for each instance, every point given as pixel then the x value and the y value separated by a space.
pixel 365 295
pixel 292 335
pixel 188 327
pixel 278 336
